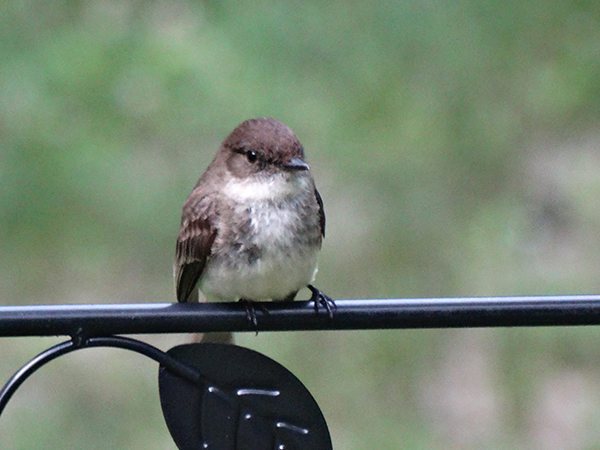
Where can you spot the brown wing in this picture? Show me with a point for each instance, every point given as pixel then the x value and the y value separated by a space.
pixel 194 244
pixel 321 212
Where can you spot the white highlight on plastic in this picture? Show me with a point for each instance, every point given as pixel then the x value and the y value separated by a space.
pixel 292 427
pixel 258 392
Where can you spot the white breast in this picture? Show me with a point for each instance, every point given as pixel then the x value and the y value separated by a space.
pixel 283 267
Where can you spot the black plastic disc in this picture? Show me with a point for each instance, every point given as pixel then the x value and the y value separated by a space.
pixel 244 401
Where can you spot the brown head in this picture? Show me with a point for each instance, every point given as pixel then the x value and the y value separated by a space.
pixel 262 145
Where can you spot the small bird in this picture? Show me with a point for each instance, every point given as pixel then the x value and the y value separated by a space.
pixel 253 225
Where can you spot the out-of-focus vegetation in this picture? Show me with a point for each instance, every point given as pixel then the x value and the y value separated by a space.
pixel 457 149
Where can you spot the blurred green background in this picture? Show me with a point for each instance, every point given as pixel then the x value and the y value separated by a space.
pixel 457 149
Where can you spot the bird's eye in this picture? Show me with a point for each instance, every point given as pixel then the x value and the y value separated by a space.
pixel 251 156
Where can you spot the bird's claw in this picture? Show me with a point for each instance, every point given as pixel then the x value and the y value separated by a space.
pixel 321 299
pixel 250 307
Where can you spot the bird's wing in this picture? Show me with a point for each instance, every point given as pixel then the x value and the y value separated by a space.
pixel 321 212
pixel 194 243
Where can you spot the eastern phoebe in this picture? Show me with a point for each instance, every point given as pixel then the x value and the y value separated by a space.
pixel 252 227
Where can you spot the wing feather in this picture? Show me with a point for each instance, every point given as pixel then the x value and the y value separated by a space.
pixel 321 212
pixel 194 244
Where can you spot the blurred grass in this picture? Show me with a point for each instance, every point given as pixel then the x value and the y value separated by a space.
pixel 456 148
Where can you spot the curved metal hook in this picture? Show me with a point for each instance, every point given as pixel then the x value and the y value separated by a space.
pixel 18 378
pixel 78 342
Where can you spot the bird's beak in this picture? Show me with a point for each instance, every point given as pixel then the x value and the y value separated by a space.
pixel 296 164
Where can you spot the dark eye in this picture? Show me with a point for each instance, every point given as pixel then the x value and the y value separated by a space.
pixel 251 156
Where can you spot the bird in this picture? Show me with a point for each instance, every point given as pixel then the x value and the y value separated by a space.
pixel 253 226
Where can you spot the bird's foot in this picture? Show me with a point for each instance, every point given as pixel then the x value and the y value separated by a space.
pixel 321 299
pixel 250 307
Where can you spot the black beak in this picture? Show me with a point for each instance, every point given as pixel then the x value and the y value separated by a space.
pixel 296 164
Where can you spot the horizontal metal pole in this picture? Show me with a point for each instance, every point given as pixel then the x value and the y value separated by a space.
pixel 108 319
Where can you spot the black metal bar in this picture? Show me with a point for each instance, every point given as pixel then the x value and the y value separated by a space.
pixel 164 359
pixel 96 320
